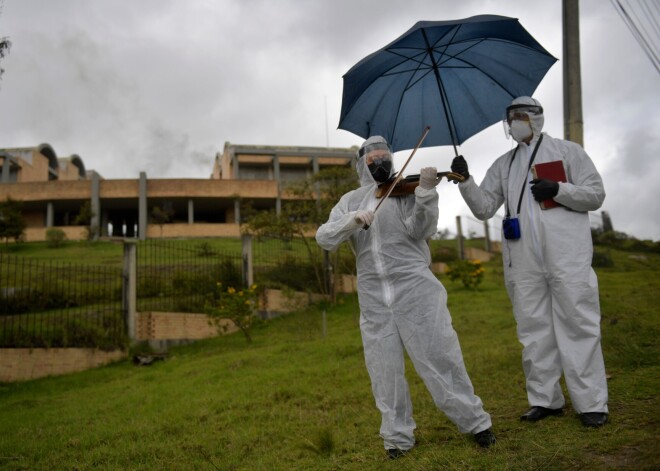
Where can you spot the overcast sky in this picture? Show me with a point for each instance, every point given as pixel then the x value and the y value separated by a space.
pixel 160 85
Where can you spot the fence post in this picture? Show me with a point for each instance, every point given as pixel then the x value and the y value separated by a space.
pixel 129 287
pixel 459 238
pixel 246 250
pixel 607 221
pixel 486 236
pixel 328 275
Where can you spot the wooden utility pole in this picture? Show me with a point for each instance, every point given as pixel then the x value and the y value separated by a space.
pixel 459 238
pixel 573 124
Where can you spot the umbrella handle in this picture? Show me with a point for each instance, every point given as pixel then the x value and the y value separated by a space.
pixel 400 175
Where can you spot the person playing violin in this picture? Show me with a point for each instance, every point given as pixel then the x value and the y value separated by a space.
pixel 403 306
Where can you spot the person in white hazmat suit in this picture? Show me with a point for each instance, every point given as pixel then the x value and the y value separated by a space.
pixel 547 263
pixel 402 304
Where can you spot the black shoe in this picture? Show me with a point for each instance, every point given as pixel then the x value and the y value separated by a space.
pixel 593 419
pixel 537 413
pixel 394 453
pixel 485 439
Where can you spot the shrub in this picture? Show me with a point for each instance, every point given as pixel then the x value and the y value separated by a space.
pixel 55 238
pixel 469 272
pixel 601 260
pixel 78 333
pixel 622 241
pixel 204 249
pixel 444 255
pixel 239 306
pixel 293 274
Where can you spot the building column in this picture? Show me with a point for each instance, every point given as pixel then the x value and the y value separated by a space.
pixel 317 185
pixel 234 165
pixel 96 206
pixel 142 207
pixel 191 211
pixel 276 171
pixel 104 224
pixel 50 214
pixel 237 211
pixel 6 167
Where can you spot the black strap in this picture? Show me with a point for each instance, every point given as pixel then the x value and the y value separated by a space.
pixel 522 190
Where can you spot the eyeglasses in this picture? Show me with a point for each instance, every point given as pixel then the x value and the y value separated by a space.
pixel 522 112
pixel 378 156
pixel 373 147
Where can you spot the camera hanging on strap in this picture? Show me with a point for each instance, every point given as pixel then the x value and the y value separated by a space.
pixel 511 225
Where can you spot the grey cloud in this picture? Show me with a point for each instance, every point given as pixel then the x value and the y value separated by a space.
pixel 155 84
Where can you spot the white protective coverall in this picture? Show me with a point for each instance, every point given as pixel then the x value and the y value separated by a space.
pixel 548 274
pixel 403 305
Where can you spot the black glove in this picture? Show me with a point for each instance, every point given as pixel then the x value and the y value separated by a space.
pixel 460 166
pixel 544 189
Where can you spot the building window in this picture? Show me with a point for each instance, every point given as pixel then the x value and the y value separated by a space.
pixel 289 174
pixel 254 172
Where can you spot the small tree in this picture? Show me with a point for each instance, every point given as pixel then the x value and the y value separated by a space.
pixel 309 206
pixel 84 218
pixel 55 238
pixel 238 306
pixel 469 272
pixel 162 215
pixel 12 222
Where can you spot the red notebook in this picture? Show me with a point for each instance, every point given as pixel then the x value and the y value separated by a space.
pixel 552 171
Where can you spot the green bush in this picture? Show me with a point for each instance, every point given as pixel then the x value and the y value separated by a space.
pixel 292 273
pixel 237 305
pixel 151 287
pixel 469 272
pixel 444 255
pixel 204 249
pixel 55 238
pixel 621 241
pixel 601 260
pixel 36 300
pixel 78 333
pixel 344 262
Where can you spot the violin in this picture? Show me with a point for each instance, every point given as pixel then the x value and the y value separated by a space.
pixel 406 185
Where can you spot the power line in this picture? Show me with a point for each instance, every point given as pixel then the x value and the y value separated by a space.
pixel 640 31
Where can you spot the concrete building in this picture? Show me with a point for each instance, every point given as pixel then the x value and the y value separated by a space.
pixel 52 190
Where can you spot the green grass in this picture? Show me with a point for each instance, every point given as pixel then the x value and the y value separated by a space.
pixel 293 400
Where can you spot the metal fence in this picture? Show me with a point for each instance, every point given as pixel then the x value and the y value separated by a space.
pixel 63 304
pixel 181 275
pixel 60 304
pixel 288 264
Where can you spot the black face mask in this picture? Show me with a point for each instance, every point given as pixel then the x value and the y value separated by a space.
pixel 381 171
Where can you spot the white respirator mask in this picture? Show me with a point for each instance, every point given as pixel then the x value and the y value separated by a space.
pixel 520 130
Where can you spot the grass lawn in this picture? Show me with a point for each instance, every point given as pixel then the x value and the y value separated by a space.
pixel 293 400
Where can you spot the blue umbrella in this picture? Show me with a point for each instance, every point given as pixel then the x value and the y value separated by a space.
pixel 455 76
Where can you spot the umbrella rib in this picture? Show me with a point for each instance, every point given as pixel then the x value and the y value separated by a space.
pixel 407 87
pixel 441 89
pixel 470 65
pixel 478 41
pixel 406 59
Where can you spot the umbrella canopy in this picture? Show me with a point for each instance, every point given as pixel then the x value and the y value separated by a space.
pixel 455 76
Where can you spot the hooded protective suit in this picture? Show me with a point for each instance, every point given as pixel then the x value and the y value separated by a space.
pixel 548 274
pixel 403 306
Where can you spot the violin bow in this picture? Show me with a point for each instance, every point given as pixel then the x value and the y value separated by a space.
pixel 400 174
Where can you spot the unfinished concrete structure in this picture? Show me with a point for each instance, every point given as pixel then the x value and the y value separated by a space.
pixel 52 190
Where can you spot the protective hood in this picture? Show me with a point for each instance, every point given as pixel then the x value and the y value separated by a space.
pixel 361 165
pixel 536 121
